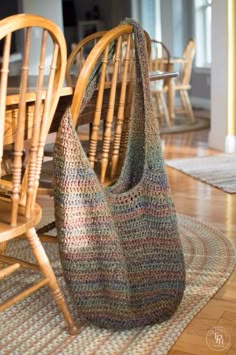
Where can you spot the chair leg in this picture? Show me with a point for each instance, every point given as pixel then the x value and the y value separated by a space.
pixel 183 102
pixel 187 104
pixel 165 109
pixel 156 105
pixel 160 108
pixel 3 247
pixel 189 107
pixel 48 272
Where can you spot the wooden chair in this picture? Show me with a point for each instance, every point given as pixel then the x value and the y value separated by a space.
pixel 116 118
pixel 182 84
pixel 109 104
pixel 19 212
pixel 114 52
pixel 78 55
pixel 160 60
pixel 114 55
pixel 74 65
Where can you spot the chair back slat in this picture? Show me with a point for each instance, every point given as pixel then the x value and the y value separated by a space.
pixel 125 78
pixel 125 127
pixel 33 105
pixel 111 101
pixel 19 138
pixel 160 56
pixel 159 59
pixel 45 124
pixel 3 89
pixel 98 111
pixel 37 119
pixel 186 69
pixel 110 110
pixel 79 53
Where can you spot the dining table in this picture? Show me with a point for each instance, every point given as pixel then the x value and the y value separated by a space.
pixel 64 102
pixel 12 103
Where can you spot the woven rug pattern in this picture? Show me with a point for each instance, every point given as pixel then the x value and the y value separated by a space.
pixel 216 170
pixel 35 326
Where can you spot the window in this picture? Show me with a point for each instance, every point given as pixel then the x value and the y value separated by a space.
pixel 203 33
pixel 147 12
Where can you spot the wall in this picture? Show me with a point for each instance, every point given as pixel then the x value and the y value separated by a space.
pixel 5 11
pixel 219 75
pixel 51 9
pixel 111 12
pixel 166 23
pixel 201 88
pixel 8 9
pixel 120 10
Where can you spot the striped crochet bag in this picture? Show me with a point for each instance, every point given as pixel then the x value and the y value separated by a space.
pixel 119 246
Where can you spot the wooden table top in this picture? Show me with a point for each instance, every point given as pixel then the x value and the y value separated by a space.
pixel 13 90
pixel 173 60
pixel 12 101
pixel 159 75
pixel 13 87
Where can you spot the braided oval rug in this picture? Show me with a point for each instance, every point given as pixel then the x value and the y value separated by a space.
pixel 35 326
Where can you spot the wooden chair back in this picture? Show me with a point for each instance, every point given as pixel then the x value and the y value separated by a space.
pixel 19 212
pixel 160 61
pixel 43 89
pixel 185 71
pixel 113 55
pixel 78 55
pixel 160 56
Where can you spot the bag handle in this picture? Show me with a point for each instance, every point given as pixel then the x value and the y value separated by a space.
pixel 144 145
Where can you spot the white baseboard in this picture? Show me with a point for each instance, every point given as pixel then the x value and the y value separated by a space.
pixel 200 102
pixel 215 141
pixel 197 102
pixel 230 144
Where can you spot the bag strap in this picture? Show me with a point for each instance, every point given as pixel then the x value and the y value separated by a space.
pixel 144 138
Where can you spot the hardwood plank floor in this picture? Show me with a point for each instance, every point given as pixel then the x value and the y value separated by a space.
pixel 214 207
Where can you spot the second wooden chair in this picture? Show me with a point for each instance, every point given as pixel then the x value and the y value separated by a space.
pixel 159 61
pixel 182 84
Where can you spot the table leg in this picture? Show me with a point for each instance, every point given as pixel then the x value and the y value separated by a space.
pixel 171 98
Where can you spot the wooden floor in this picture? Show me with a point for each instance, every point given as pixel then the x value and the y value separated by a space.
pixel 217 208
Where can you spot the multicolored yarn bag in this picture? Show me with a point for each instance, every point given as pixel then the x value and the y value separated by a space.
pixel 119 246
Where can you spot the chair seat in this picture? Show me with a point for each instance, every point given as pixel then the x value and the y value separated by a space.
pixel 23 224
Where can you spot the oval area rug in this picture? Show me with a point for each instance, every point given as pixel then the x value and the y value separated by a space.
pixel 35 326
pixel 183 124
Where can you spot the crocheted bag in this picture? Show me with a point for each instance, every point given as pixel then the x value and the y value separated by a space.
pixel 119 246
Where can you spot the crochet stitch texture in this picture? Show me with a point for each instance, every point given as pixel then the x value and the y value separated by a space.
pixel 119 246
